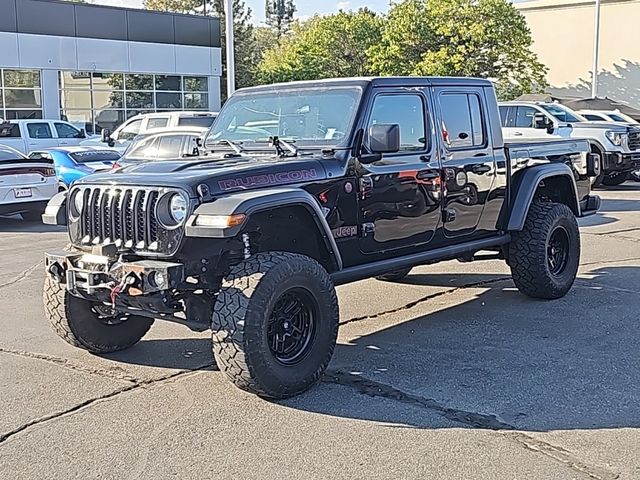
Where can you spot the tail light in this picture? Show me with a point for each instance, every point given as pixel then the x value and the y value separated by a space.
pixel 44 171
pixel 48 172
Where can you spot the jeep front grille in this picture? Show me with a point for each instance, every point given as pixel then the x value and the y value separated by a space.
pixel 634 139
pixel 125 217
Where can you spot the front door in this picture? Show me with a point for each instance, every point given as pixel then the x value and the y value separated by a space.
pixel 400 201
pixel 468 163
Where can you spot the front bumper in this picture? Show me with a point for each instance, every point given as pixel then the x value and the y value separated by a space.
pixel 614 161
pixel 86 274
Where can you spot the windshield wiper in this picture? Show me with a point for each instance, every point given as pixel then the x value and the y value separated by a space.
pixel 277 143
pixel 234 145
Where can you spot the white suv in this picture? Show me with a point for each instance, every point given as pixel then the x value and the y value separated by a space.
pixel 142 124
pixel 618 144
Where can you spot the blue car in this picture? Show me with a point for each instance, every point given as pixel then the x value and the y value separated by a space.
pixel 72 163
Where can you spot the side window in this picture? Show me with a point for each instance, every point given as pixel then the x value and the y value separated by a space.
pixel 524 117
pixel 593 118
pixel 462 121
pixel 406 111
pixel 170 146
pixel 66 131
pixel 130 130
pixel 10 130
pixel 39 130
pixel 159 122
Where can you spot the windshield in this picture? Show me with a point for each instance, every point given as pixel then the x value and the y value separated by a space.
pixel 621 117
pixel 308 117
pixel 563 114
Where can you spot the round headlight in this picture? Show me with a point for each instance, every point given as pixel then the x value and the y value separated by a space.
pixel 178 207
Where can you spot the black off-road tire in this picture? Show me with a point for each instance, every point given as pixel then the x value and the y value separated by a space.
pixel 245 309
pixel 615 180
pixel 73 320
pixel 529 252
pixel 395 276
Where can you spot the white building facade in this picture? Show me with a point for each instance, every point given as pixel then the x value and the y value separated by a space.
pixel 97 66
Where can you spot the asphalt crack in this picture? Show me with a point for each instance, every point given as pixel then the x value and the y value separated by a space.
pixel 21 276
pixel 139 384
pixel 63 362
pixel 426 298
pixel 371 388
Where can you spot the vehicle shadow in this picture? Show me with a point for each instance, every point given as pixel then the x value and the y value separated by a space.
pixel 532 365
pixel 15 224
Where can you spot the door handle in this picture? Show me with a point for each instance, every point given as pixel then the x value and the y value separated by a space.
pixel 481 169
pixel 517 134
pixel 427 175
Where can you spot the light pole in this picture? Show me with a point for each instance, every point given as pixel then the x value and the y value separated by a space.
pixel 231 62
pixel 596 52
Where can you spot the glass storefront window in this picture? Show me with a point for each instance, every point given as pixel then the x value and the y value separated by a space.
pixel 21 78
pixel 20 94
pixel 196 101
pixel 168 82
pixel 168 100
pixel 138 82
pixel 79 118
pixel 100 100
pixel 196 84
pixel 140 100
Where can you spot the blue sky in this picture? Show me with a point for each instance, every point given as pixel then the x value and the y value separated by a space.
pixel 306 8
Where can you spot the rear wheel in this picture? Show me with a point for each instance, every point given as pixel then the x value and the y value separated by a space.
pixel 545 255
pixel 275 324
pixel 395 276
pixel 90 326
pixel 615 178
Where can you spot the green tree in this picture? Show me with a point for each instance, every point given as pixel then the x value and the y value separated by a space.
pixel 244 46
pixel 482 38
pixel 279 15
pixel 323 47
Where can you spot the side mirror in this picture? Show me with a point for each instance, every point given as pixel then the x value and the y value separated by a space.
pixel 384 138
pixel 542 122
pixel 83 133
pixel 106 135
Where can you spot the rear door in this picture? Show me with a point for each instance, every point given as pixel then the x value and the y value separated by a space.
pixel 40 135
pixel 469 166
pixel 520 124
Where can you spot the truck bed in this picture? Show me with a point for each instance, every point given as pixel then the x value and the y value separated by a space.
pixel 536 147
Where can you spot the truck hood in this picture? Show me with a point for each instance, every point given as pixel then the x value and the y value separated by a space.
pixel 220 173
pixel 615 126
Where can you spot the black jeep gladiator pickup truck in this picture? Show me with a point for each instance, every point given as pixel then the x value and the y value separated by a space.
pixel 300 187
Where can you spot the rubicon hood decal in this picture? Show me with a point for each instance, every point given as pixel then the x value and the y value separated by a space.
pixel 268 179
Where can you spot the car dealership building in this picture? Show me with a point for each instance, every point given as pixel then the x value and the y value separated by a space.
pixel 97 66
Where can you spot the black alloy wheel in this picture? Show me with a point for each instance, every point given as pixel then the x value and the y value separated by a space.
pixel 292 326
pixel 558 251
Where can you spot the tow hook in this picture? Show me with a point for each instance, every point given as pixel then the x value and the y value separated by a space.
pixel 126 282
pixel 56 272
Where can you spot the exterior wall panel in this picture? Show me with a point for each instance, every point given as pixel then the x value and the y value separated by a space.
pixel 193 60
pixel 49 52
pixel 46 18
pixel 102 55
pixel 103 23
pixel 151 58
pixel 8 21
pixel 150 27
pixel 9 51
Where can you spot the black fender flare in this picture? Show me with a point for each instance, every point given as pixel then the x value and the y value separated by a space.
pixel 256 201
pixel 526 184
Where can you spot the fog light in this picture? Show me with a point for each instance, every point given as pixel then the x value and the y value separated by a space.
pixel 158 280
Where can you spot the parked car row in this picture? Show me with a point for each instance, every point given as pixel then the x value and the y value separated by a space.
pixel 617 143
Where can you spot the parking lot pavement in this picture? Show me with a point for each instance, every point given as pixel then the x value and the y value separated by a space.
pixel 450 374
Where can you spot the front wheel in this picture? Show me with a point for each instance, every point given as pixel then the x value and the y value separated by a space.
pixel 90 326
pixel 275 324
pixel 545 255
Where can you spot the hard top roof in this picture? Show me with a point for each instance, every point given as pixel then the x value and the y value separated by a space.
pixel 375 82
